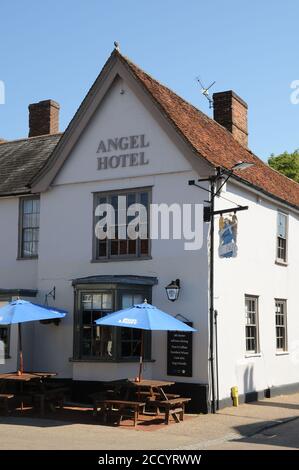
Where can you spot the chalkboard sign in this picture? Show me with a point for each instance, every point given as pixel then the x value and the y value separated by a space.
pixel 179 353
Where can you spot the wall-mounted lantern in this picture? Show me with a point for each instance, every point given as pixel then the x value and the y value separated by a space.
pixel 173 290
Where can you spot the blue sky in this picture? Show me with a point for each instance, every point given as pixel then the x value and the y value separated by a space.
pixel 56 48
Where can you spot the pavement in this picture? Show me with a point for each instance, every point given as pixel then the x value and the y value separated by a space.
pixel 268 424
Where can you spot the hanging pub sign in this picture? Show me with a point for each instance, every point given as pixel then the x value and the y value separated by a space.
pixel 179 353
pixel 228 236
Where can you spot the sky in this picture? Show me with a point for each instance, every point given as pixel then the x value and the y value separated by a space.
pixel 56 48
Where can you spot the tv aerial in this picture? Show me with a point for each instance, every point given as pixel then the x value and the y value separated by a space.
pixel 205 91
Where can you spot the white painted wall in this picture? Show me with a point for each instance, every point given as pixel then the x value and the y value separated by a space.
pixel 255 272
pixel 66 239
pixel 14 274
pixel 121 115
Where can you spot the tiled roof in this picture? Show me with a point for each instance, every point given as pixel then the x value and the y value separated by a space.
pixel 213 142
pixel 21 160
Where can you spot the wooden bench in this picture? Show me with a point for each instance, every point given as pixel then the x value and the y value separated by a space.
pixel 51 395
pixel 121 409
pixel 157 395
pixel 4 400
pixel 99 397
pixel 174 407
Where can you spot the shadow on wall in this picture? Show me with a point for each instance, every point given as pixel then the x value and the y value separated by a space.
pixel 248 382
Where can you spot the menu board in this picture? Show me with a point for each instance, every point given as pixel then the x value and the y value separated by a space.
pixel 179 353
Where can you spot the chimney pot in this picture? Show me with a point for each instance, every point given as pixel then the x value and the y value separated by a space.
pixel 43 118
pixel 231 112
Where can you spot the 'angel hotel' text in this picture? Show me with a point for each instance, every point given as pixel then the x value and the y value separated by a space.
pixel 121 144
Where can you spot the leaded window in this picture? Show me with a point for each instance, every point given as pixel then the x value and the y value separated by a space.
pixel 96 341
pixel 130 337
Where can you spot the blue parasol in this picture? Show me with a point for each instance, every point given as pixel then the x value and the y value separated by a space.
pixel 21 311
pixel 145 317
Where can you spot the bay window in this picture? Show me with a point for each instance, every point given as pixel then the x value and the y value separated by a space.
pixel 103 343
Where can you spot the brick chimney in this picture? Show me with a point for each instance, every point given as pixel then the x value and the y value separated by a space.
pixel 43 118
pixel 231 112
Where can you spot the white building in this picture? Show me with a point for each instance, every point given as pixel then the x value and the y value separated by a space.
pixel 132 136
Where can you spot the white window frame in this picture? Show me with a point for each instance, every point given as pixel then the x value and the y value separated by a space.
pixel 282 260
pixel 283 325
pixel 255 324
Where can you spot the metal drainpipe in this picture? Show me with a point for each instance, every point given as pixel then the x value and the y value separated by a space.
pixel 216 359
pixel 211 310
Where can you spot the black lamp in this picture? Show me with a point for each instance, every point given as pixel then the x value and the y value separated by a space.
pixel 173 290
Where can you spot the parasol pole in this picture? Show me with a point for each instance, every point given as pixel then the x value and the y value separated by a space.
pixel 141 356
pixel 21 363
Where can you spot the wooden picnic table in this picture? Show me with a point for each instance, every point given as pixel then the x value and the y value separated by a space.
pixel 151 388
pixel 149 392
pixel 37 378
pixel 26 376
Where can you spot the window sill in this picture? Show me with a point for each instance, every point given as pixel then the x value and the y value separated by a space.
pixel 110 361
pixel 282 353
pixel 253 355
pixel 128 258
pixel 281 262
pixel 30 258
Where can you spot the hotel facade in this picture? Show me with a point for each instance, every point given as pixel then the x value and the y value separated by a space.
pixel 133 137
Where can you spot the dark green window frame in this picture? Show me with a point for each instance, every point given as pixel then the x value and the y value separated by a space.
pixel 32 230
pixel 126 249
pixel 117 291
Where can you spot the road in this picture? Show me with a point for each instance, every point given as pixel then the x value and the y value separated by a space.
pixel 268 424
